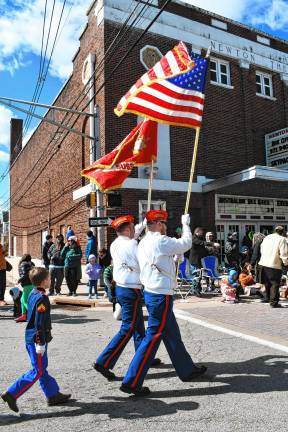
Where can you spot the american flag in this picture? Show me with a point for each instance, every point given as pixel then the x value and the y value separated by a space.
pixel 174 98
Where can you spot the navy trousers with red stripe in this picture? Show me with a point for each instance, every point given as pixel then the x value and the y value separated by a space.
pixel 38 372
pixel 162 325
pixel 132 325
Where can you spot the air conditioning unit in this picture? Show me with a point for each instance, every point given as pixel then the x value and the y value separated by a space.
pixel 147 171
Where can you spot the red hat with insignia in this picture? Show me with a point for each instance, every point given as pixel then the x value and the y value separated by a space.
pixel 121 220
pixel 156 215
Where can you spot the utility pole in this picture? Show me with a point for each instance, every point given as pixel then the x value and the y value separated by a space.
pixel 95 149
pixel 92 123
pixel 99 195
pixel 50 204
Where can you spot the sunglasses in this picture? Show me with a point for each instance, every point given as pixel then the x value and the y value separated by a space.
pixel 163 222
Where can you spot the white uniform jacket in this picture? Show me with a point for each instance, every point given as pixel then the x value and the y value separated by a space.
pixel 126 270
pixel 155 256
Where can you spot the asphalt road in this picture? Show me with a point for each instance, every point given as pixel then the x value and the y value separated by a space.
pixel 245 389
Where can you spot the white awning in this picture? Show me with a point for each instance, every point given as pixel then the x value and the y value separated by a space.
pixel 256 172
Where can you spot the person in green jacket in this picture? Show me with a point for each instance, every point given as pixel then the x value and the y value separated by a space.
pixel 25 265
pixel 72 255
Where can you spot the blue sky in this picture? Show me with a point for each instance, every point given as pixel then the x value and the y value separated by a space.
pixel 21 24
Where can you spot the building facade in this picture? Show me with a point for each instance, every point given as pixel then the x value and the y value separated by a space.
pixel 241 174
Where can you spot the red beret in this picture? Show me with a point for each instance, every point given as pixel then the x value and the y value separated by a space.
pixel 156 215
pixel 121 220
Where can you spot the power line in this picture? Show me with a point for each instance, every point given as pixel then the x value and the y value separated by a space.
pixel 44 119
pixel 42 77
pixel 147 4
pixel 109 51
pixel 79 96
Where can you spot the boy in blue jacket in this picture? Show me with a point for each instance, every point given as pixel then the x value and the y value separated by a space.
pixel 37 336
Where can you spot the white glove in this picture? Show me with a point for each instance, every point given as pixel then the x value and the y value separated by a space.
pixel 185 219
pixel 178 258
pixel 139 228
pixel 217 245
pixel 40 349
pixel 118 312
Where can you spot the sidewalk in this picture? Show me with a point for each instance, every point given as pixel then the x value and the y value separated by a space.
pixel 82 291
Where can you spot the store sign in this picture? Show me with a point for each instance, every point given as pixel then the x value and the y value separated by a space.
pixel 277 149
pixel 252 208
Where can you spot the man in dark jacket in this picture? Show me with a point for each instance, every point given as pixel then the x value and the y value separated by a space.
pixel 232 251
pixel 197 252
pixel 46 247
pixel 56 268
pixel 198 249
pixel 91 246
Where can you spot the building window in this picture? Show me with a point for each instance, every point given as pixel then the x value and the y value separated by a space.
pixel 220 72
pixel 264 85
pixel 155 205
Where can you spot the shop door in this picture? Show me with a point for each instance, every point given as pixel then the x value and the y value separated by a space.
pixel 266 229
pixel 222 232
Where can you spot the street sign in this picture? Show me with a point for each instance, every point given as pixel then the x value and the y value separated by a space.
pixel 100 221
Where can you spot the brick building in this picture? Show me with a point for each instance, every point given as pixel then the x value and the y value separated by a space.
pixel 242 160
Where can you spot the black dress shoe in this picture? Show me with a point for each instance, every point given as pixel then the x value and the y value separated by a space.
pixel 156 362
pixel 11 401
pixel 105 372
pixel 143 391
pixel 198 371
pixel 276 305
pixel 264 300
pixel 58 399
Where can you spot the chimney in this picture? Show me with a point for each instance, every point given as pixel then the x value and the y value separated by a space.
pixel 16 126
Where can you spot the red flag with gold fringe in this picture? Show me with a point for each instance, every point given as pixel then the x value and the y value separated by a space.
pixel 137 149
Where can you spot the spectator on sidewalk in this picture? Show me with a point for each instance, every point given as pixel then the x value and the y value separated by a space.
pixel 45 249
pixel 56 267
pixel 69 232
pixel 274 254
pixel 198 249
pixel 72 255
pixel 213 248
pixel 230 288
pixel 256 254
pixel 109 282
pixel 2 275
pixel 247 281
pixel 93 270
pixel 91 246
pixel 232 252
pixel 104 257
pixel 24 267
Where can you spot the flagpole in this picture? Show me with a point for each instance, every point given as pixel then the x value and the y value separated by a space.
pixel 189 191
pixel 150 185
pixel 192 171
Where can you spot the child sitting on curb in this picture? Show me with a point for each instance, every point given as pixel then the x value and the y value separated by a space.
pixel 230 288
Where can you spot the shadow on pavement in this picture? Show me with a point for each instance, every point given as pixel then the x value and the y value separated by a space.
pixel 125 408
pixel 259 375
pixel 263 374
pixel 68 319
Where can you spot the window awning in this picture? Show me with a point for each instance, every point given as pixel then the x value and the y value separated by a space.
pixel 256 172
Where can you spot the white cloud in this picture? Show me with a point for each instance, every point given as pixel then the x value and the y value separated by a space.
pixel 5 116
pixel 273 13
pixel 227 8
pixel 4 156
pixel 21 32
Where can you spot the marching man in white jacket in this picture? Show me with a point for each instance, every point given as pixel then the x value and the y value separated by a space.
pixel 157 274
pixel 126 274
